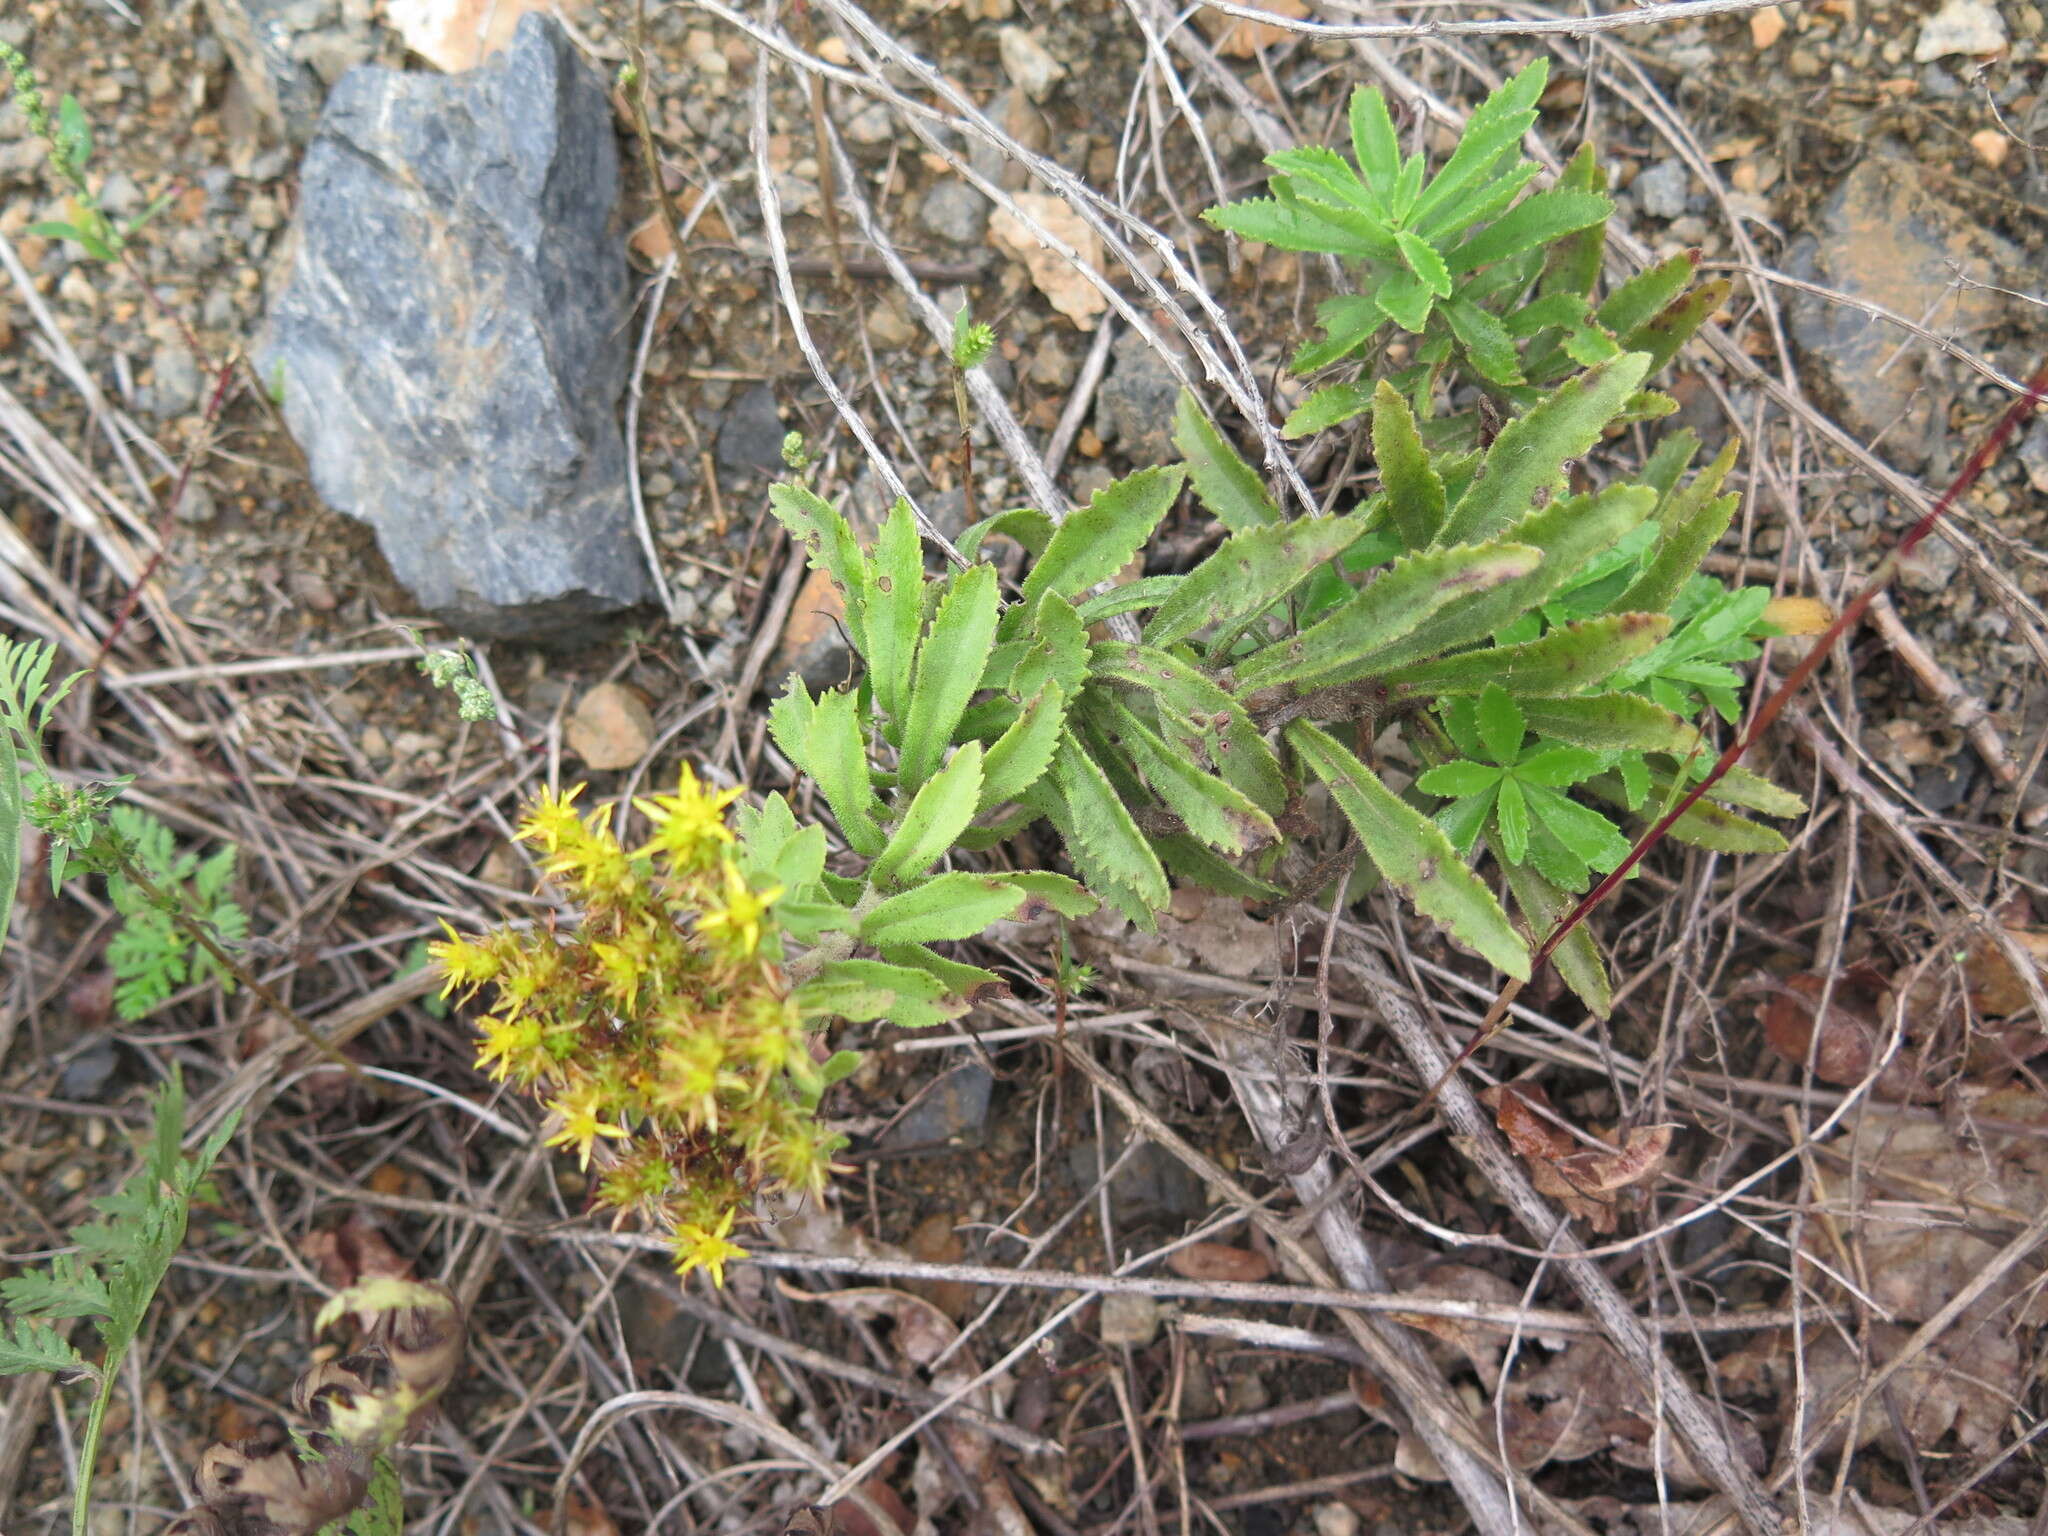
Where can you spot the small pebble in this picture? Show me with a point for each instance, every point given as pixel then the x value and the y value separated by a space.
pixel 1766 27
pixel 611 727
pixel 1131 1321
pixel 1334 1519
pixel 1971 27
pixel 1030 67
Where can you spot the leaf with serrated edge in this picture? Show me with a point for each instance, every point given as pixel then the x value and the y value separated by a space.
pixel 862 990
pixel 1415 493
pixel 1227 487
pixel 1045 891
pixel 1691 523
pixel 1098 540
pixel 1660 336
pixel 1412 852
pixel 839 763
pixel 1103 840
pixel 1208 807
pixel 1131 597
pixel 1330 406
pixel 951 906
pixel 1569 534
pixel 1577 958
pixel 949 664
pixel 936 818
pixel 1495 127
pixel 1566 661
pixel 1023 752
pixel 1056 650
pixel 968 983
pixel 1645 293
pixel 1025 526
pixel 1372 139
pixel 1534 221
pixel 1422 259
pixel 790 722
pixel 1611 722
pixel 1248 573
pixel 895 609
pixel 1410 591
pixel 1528 457
pixel 828 539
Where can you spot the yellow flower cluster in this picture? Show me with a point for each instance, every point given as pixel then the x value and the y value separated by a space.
pixel 660 1034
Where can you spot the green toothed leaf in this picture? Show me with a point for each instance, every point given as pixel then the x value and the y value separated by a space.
pixel 949 665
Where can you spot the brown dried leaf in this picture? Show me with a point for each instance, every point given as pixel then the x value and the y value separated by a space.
pixel 1219 1261
pixel 587 1517
pixel 1850 1030
pixel 1461 1282
pixel 1584 1181
pixel 354 1251
pixel 1995 987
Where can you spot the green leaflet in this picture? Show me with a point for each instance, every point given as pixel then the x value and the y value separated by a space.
pixel 1645 293
pixel 1671 327
pixel 1704 824
pixel 1339 649
pixel 1415 494
pixel 1330 406
pixel 1056 651
pixel 1486 341
pixel 1422 260
pixel 1406 300
pixel 1372 140
pixel 1209 807
pixel 1691 523
pixel 1527 460
pixel 1111 853
pixel 949 665
pixel 1752 791
pixel 1611 722
pixel 895 609
pixel 1569 534
pixel 1128 597
pixel 1025 526
pixel 951 906
pixel 1412 853
pixel 1577 958
pixel 1023 752
pixel 838 761
pixel 1098 540
pixel 1192 708
pixel 1568 660
pixel 968 983
pixel 828 540
pixel 1248 573
pixel 1668 460
pixel 1227 487
pixel 861 990
pixel 1494 129
pixel 1191 861
pixel 1535 221
pixel 1572 266
pixel 934 822
pixel 1045 891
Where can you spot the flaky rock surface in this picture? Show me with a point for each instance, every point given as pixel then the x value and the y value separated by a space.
pixel 450 342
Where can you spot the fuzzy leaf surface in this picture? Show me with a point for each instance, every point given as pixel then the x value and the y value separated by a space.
pixel 1023 752
pixel 1412 852
pixel 1248 573
pixel 944 805
pixel 1098 540
pixel 949 666
pixel 1415 492
pixel 1340 647
pixel 895 610
pixel 1566 661
pixel 1227 487
pixel 1529 456
pixel 828 539
pixel 958 905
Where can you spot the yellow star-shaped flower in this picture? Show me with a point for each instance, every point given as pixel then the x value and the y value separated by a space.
pixel 700 1247
pixel 581 1127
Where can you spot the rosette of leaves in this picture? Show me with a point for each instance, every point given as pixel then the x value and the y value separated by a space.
pixel 1185 753
pixel 1498 287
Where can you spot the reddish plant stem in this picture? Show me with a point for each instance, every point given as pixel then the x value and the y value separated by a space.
pixel 216 403
pixel 1768 712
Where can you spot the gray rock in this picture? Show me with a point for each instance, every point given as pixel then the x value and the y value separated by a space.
pixel 1028 63
pixel 86 1075
pixel 1153 1184
pixel 1880 236
pixel 750 436
pixel 951 1111
pixel 1134 408
pixel 2034 455
pixel 1662 190
pixel 452 337
pixel 954 211
pixel 177 385
pixel 287 52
